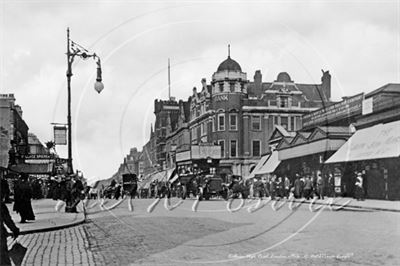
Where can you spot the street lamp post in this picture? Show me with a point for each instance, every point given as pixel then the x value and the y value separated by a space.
pixel 74 49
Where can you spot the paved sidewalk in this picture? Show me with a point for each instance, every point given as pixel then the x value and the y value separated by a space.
pixel 368 204
pixel 59 247
pixel 46 217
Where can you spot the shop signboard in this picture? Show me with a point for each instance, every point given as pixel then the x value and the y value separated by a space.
pixel 60 135
pixel 347 108
pixel 199 152
pixel 206 151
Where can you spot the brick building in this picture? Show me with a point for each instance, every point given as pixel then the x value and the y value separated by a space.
pixel 14 127
pixel 237 114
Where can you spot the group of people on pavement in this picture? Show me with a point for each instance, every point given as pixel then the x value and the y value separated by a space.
pixel 302 187
pixel 69 190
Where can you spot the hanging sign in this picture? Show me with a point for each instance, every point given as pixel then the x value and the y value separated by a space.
pixel 60 135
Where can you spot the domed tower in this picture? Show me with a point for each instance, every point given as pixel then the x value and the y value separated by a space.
pixel 229 78
pixel 228 87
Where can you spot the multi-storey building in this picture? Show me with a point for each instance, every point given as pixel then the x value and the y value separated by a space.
pixel 238 114
pixel 12 124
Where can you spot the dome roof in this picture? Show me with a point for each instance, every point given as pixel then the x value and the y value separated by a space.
pixel 283 77
pixel 230 65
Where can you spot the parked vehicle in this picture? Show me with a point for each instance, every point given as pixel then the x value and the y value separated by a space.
pixel 214 187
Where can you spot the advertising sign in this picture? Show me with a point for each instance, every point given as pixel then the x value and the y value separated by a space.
pixel 348 107
pixel 367 106
pixel 60 135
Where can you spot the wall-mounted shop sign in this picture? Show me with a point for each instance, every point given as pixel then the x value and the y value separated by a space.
pixel 221 98
pixel 347 108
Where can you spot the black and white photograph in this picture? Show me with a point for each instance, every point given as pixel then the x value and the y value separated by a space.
pixel 199 132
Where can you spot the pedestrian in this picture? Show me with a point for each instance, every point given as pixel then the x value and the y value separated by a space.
pixel 286 187
pixel 314 191
pixel 331 186
pixel 117 193
pixel 22 199
pixel 251 189
pixel 320 186
pixel 297 187
pixel 272 186
pixel 265 186
pixel 258 191
pixel 279 187
pixel 302 182
pixel 359 190
pixel 5 190
pixel 6 220
pixel 307 188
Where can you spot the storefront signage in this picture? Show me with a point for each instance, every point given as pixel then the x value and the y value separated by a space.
pixel 203 152
pixel 38 158
pixel 183 156
pixel 221 98
pixel 349 107
pixel 200 152
pixel 171 107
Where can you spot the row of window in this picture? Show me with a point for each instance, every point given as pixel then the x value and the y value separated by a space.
pixel 288 122
pixel 198 110
pixel 233 147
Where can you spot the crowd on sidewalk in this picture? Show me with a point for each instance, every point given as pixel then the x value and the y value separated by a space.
pixel 303 187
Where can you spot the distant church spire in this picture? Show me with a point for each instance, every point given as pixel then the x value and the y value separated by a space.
pixel 229 50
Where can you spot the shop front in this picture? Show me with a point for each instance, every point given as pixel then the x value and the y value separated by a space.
pixel 306 153
pixel 374 152
pixel 269 166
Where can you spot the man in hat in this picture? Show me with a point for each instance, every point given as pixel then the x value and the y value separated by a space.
pixel 359 191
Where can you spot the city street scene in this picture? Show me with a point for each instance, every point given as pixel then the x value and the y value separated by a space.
pixel 200 133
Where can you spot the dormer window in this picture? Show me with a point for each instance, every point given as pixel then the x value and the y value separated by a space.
pixel 284 102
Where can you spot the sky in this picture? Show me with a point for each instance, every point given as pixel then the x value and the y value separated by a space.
pixel 357 41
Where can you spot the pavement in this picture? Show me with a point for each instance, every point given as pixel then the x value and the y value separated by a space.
pixel 368 204
pixel 122 236
pixel 47 218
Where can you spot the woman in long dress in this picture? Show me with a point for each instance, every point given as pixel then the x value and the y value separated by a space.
pixel 22 197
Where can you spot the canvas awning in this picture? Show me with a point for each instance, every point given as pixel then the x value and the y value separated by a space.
pixel 174 178
pixel 160 176
pixel 258 165
pixel 33 168
pixel 270 165
pixel 377 142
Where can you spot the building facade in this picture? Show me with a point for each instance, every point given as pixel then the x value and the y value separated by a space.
pixel 238 115
pixel 357 134
pixel 14 127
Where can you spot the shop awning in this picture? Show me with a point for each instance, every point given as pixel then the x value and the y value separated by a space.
pixel 160 176
pixel 270 165
pixel 322 145
pixel 33 168
pixel 174 178
pixel 258 165
pixel 377 142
